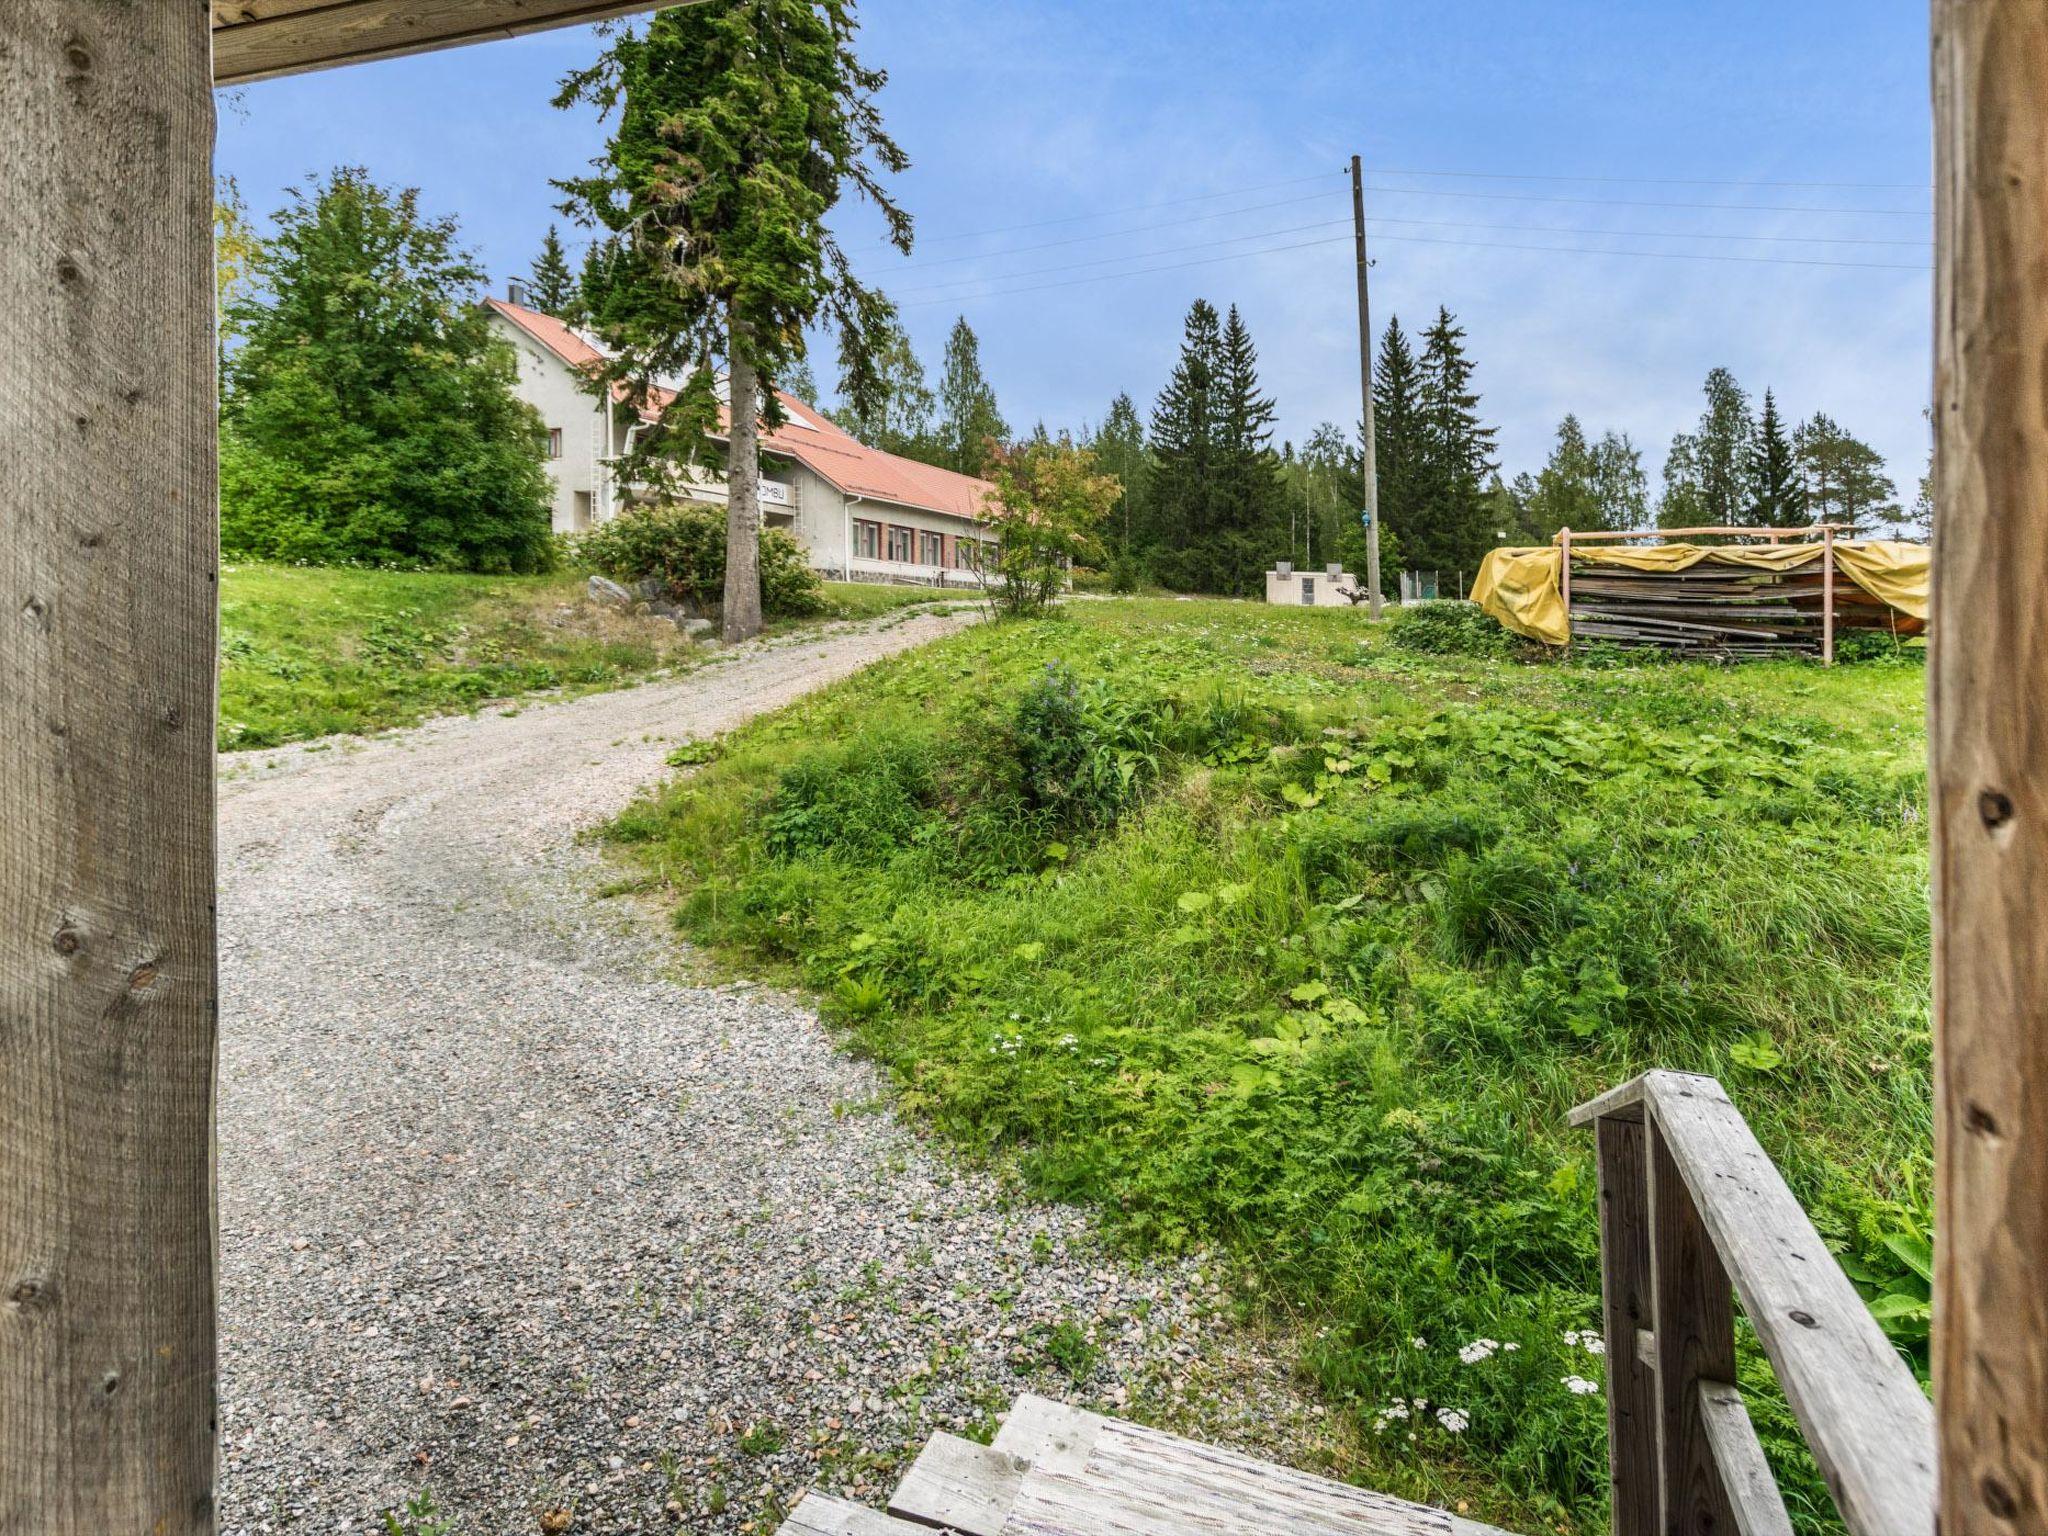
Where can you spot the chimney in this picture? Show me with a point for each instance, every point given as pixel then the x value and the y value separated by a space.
pixel 515 293
pixel 1284 568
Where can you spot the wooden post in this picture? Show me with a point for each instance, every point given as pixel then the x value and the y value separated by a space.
pixel 1625 1310
pixel 1564 579
pixel 1369 465
pixel 107 599
pixel 1988 767
pixel 1827 598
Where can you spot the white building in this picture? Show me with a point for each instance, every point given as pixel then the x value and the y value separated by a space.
pixel 1331 587
pixel 861 514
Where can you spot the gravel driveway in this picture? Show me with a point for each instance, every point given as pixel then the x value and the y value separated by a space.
pixel 512 1217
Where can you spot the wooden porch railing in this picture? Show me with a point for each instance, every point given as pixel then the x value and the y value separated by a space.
pixel 1690 1203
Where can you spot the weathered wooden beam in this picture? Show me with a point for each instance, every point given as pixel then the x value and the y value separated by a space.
pixel 107 599
pixel 259 39
pixel 1746 1479
pixel 1988 765
pixel 1625 1303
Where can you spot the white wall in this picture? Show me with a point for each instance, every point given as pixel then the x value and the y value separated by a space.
pixel 548 385
pixel 1329 590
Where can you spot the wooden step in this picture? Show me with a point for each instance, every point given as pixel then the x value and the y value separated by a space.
pixel 817 1515
pixel 958 1485
pixel 1060 1471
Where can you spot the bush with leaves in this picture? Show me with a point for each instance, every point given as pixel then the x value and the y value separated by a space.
pixel 1452 628
pixel 1048 502
pixel 683 546
pixel 369 416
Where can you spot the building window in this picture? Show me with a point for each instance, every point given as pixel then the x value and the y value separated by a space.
pixel 554 442
pixel 931 549
pixel 867 540
pixel 1308 591
pixel 963 554
pixel 901 549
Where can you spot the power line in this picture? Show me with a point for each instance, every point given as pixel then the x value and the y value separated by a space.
pixel 1110 234
pixel 1270 234
pixel 1483 245
pixel 1082 218
pixel 1651 234
pixel 1107 261
pixel 1667 181
pixel 1783 261
pixel 1620 202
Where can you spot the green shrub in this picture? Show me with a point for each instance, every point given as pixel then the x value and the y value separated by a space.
pixel 683 546
pixel 1451 628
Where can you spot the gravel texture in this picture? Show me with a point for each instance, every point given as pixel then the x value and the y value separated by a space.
pixel 515 1217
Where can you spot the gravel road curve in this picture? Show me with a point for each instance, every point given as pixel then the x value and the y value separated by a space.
pixel 513 1218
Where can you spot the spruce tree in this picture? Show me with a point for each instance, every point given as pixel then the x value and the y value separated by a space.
pixel 1564 494
pixel 1398 450
pixel 737 130
pixel 1457 457
pixel 798 381
pixel 550 284
pixel 1776 498
pixel 1250 526
pixel 1185 451
pixel 970 427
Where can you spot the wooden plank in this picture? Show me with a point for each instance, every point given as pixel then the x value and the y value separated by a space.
pixel 1746 1478
pixel 1142 1482
pixel 1049 1434
pixel 254 40
pixel 1625 1307
pixel 1623 1102
pixel 107 980
pixel 817 1515
pixel 1869 1425
pixel 1692 1314
pixel 1988 763
pixel 958 1485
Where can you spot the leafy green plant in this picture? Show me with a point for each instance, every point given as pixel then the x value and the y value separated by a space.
pixel 419 1517
pixel 1451 628
pixel 682 545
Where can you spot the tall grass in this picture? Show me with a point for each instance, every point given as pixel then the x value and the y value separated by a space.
pixel 1260 935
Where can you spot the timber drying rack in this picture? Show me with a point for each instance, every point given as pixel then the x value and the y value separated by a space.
pixel 109 1422
pixel 1720 610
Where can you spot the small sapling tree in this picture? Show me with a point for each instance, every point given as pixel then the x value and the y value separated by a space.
pixel 738 126
pixel 1048 505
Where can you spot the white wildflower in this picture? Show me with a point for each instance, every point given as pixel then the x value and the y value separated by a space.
pixel 1579 1386
pixel 1478 1350
pixel 1419 1342
pixel 1509 1348
pixel 1453 1419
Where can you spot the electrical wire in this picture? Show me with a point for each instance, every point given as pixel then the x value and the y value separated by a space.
pixel 1109 213
pixel 1664 181
pixel 1621 202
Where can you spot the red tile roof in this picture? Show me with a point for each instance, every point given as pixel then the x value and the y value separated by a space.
pixel 814 441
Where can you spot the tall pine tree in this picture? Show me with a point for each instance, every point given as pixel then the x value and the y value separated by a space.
pixel 897 416
pixel 1185 454
pixel 1452 532
pixel 550 285
pixel 1843 477
pixel 1776 498
pixel 1398 449
pixel 970 428
pixel 737 130
pixel 1250 529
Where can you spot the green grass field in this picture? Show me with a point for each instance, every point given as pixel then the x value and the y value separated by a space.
pixel 1260 932
pixel 309 652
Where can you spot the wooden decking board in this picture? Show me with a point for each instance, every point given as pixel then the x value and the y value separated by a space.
pixel 1140 1482
pixel 957 1485
pixel 1049 1434
pixel 816 1515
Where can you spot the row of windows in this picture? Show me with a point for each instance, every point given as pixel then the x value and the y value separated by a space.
pixel 916 546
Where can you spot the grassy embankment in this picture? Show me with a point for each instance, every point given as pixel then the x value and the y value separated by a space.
pixel 1261 933
pixel 309 652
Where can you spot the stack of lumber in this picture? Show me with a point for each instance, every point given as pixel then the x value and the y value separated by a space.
pixel 1710 609
pixel 1058 1471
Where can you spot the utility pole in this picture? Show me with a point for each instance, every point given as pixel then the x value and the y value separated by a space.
pixel 1372 471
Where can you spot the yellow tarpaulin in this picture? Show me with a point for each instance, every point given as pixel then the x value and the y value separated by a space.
pixel 1523 587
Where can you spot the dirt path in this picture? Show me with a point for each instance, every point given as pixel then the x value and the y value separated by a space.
pixel 509 1217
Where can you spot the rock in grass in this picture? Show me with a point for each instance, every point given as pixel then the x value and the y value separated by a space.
pixel 608 592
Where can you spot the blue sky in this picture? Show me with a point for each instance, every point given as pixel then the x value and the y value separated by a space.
pixel 1047 134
